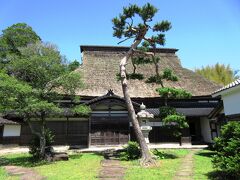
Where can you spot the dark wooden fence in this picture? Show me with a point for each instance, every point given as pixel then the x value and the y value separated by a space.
pixel 65 132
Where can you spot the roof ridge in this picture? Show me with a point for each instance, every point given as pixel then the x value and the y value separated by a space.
pixel 120 48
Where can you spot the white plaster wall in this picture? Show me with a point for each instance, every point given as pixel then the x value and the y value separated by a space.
pixel 11 130
pixel 231 102
pixel 205 130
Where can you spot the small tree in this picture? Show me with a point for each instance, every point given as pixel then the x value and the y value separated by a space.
pixel 45 77
pixel 168 114
pixel 124 27
pixel 227 146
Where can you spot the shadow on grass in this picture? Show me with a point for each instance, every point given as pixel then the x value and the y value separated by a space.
pixel 75 156
pixel 26 160
pixel 220 175
pixel 169 156
pixel 164 155
pixel 206 154
pixel 21 161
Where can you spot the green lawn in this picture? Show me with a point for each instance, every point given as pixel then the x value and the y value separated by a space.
pixel 79 166
pixel 4 176
pixel 166 170
pixel 87 166
pixel 203 165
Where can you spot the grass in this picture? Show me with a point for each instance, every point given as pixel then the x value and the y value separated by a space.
pixel 79 166
pixel 168 165
pixel 5 176
pixel 202 164
pixel 87 166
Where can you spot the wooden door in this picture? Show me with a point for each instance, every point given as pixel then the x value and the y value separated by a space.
pixel 109 130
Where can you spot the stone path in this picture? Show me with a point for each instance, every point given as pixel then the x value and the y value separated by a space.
pixel 111 169
pixel 185 172
pixel 24 173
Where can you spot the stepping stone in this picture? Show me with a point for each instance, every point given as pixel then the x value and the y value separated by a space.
pixel 24 173
pixel 184 173
pixel 111 169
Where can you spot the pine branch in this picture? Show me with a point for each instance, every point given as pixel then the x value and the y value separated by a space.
pixel 125 40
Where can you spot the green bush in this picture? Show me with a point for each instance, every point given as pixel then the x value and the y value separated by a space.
pixel 34 148
pixel 165 111
pixel 158 154
pixel 227 146
pixel 130 152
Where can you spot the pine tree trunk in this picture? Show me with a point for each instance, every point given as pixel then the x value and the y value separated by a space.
pixel 146 159
pixel 42 143
pixel 43 137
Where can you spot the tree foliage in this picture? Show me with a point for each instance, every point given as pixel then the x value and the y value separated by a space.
pixel 14 94
pixel 16 36
pixel 173 93
pixel 130 152
pixel 34 77
pixel 124 27
pixel 178 121
pixel 227 147
pixel 37 65
pixel 218 73
pixel 73 65
pixel 82 110
pixel 169 114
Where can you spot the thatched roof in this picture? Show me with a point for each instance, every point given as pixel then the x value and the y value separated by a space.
pixel 100 64
pixel 7 121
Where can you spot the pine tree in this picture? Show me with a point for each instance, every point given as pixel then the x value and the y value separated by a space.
pixel 125 27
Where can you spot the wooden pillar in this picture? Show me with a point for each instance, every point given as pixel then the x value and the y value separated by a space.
pixel 89 131
pixel 1 133
pixel 66 141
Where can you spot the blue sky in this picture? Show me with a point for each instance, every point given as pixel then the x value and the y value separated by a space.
pixel 205 32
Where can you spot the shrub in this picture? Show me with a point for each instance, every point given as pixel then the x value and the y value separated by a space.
pixel 158 154
pixel 131 151
pixel 227 146
pixel 164 111
pixel 34 148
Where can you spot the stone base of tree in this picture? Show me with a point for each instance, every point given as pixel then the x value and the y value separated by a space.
pixel 52 156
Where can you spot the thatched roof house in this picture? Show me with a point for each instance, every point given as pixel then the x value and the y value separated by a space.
pixel 108 123
pixel 100 64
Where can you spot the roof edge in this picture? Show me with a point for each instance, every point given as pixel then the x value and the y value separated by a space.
pixel 120 48
pixel 233 85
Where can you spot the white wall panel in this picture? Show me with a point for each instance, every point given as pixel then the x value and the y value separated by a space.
pixel 11 130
